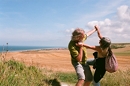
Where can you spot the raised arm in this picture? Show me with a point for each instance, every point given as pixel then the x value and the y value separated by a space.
pixel 91 32
pixel 98 32
pixel 87 46
pixel 90 47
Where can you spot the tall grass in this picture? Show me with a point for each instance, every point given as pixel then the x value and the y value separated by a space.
pixel 119 78
pixel 14 73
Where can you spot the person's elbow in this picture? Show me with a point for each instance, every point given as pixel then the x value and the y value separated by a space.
pixel 79 59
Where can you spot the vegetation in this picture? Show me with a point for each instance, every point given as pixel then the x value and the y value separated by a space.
pixel 17 74
pixel 14 73
pixel 119 45
pixel 119 78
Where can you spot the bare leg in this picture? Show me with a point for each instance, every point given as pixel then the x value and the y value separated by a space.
pixel 80 82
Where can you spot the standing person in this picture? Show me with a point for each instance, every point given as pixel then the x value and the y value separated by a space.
pixel 102 52
pixel 79 56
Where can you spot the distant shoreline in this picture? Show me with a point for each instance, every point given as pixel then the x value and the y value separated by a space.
pixel 46 49
pixel 28 48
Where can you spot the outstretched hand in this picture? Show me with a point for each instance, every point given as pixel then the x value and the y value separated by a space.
pixel 96 27
pixel 98 31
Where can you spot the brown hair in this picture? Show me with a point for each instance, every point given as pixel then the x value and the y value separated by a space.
pixel 77 33
pixel 105 42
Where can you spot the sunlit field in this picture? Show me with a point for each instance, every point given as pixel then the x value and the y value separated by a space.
pixel 50 67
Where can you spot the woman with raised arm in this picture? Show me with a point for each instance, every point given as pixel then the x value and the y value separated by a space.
pixel 79 56
pixel 102 51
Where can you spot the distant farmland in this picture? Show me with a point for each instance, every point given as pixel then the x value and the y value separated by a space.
pixel 119 45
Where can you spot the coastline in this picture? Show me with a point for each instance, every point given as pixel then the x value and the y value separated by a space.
pixel 28 48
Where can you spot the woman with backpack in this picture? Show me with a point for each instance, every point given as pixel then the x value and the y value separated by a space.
pixel 102 51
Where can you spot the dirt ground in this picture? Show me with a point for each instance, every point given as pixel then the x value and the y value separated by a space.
pixel 56 60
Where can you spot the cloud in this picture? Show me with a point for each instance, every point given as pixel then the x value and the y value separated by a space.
pixel 117 29
pixel 124 13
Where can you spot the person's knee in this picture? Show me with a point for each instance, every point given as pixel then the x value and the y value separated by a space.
pixel 80 82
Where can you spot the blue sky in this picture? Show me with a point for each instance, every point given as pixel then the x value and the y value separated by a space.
pixel 51 22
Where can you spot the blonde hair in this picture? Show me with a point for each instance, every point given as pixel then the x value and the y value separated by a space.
pixel 77 33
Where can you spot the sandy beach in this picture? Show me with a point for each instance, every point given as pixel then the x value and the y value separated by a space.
pixel 56 59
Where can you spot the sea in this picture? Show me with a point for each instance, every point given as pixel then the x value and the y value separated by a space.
pixel 26 48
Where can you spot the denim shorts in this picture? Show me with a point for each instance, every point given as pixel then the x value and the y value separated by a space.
pixel 83 71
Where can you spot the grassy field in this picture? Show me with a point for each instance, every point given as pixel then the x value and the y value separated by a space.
pixel 17 74
pixel 40 68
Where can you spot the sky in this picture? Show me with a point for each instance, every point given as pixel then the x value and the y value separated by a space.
pixel 51 22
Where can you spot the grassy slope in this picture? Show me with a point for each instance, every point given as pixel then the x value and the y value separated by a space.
pixel 14 73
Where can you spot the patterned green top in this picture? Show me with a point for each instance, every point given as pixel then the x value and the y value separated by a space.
pixel 74 51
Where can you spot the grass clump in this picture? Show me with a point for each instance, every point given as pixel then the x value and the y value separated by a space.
pixel 69 77
pixel 119 78
pixel 17 74
pixel 14 73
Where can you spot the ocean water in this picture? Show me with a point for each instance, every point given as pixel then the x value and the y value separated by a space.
pixel 24 48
